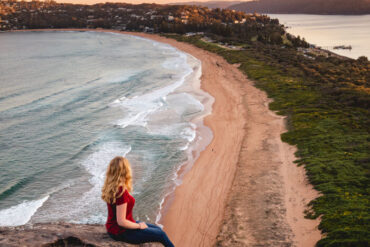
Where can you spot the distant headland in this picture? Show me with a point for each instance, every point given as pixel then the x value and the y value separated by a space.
pixel 332 7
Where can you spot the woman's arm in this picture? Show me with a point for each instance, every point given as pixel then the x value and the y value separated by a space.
pixel 121 217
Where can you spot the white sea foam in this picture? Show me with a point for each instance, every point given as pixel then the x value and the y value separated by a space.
pixel 139 108
pixel 159 215
pixel 96 163
pixel 20 214
pixel 184 103
pixel 185 147
pixel 175 62
pixel 189 133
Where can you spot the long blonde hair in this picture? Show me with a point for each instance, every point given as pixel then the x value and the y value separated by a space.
pixel 118 173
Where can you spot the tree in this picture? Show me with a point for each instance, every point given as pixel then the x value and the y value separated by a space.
pixel 275 38
pixel 362 59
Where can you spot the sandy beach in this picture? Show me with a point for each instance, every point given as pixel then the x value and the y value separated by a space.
pixel 244 189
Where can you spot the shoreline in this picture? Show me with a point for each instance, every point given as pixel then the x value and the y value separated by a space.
pixel 203 136
pixel 179 223
pixel 208 220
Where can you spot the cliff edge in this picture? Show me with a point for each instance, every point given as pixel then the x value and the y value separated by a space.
pixel 60 234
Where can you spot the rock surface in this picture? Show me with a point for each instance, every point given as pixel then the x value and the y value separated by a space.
pixel 60 234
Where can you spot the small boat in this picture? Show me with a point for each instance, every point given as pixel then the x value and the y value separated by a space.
pixel 343 47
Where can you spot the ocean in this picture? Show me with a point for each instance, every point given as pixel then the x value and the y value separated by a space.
pixel 328 31
pixel 71 101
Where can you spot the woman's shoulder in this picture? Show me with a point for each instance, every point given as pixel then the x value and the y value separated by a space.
pixel 122 197
pixel 120 189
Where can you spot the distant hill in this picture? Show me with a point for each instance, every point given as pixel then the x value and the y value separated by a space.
pixel 328 7
pixel 210 4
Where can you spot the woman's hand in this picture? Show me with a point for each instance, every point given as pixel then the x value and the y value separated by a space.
pixel 143 225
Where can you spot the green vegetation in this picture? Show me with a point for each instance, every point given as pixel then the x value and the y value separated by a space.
pixel 327 104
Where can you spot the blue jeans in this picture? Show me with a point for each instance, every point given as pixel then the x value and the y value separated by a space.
pixel 138 236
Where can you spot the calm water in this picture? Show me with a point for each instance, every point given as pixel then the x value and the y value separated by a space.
pixel 331 30
pixel 71 101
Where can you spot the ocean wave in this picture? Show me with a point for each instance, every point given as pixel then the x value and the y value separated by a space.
pixel 13 187
pixel 20 214
pixel 189 133
pixel 97 162
pixel 175 63
pixel 185 104
pixel 140 107
pixel 119 77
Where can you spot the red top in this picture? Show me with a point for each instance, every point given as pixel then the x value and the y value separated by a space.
pixel 112 225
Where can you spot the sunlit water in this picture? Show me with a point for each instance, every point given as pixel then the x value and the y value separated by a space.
pixel 328 31
pixel 71 101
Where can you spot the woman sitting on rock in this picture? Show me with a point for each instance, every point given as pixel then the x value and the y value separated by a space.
pixel 120 224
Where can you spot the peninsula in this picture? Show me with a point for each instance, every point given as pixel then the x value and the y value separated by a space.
pixel 283 109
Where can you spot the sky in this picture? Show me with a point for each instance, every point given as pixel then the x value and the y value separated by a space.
pixel 130 1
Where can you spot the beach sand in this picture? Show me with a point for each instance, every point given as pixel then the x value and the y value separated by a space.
pixel 244 189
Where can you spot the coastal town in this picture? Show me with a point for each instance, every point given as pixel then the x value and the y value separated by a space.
pixel 16 15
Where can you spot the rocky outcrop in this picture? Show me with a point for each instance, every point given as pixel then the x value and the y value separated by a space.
pixel 60 235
